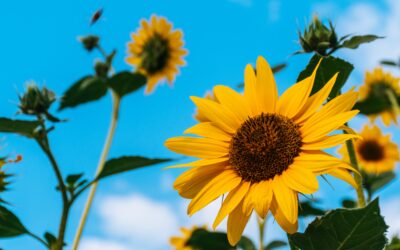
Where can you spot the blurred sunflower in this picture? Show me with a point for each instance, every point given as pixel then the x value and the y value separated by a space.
pixel 179 242
pixel 4 182
pixel 157 51
pixel 375 152
pixel 377 84
pixel 262 150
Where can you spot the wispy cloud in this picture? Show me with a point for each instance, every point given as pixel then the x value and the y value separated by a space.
pixel 102 244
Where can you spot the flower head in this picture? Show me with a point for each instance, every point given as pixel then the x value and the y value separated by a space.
pixel 36 101
pixel 157 51
pixel 376 153
pixel 377 84
pixel 4 182
pixel 260 150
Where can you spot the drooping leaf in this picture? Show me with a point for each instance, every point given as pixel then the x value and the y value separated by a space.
pixel 127 163
pixel 307 208
pixel 275 244
pixel 328 68
pixel 372 183
pixel 355 41
pixel 126 82
pixel 25 128
pixel 10 225
pixel 345 229
pixel 87 89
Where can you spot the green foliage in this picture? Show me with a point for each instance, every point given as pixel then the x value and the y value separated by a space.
pixel 349 203
pixel 202 239
pixel 10 225
pixel 372 183
pixel 126 82
pixel 127 163
pixel 25 128
pixel 275 244
pixel 51 240
pixel 345 229
pixel 90 42
pixel 36 101
pixel 307 208
pixel 73 182
pixel 377 101
pixel 355 41
pixel 87 89
pixel 394 244
pixel 327 69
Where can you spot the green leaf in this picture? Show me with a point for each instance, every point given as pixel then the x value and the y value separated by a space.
pixel 275 244
pixel 345 229
pixel 372 183
pixel 389 63
pixel 87 89
pixel 204 240
pixel 50 239
pixel 349 203
pixel 126 82
pixel 73 178
pixel 372 106
pixel 25 128
pixel 327 69
pixel 308 209
pixel 127 163
pixel 355 41
pixel 10 225
pixel 394 243
pixel 246 244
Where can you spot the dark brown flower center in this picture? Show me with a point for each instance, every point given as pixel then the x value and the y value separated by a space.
pixel 155 55
pixel 370 150
pixel 264 146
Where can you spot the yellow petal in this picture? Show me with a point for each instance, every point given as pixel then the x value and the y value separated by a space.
pixel 300 179
pixel 263 198
pixel 231 202
pixel 250 91
pixel 221 184
pixel 237 221
pixel 266 86
pixel 328 141
pixel 286 199
pixel 234 101
pixel 197 147
pixel 318 161
pixel 285 224
pixel 215 112
pixel 202 162
pixel 344 175
pixel 208 130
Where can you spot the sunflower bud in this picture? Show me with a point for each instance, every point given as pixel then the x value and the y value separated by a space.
pixel 89 42
pixel 101 68
pixel 36 101
pixel 319 38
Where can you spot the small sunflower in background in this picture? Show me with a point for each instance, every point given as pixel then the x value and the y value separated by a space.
pixel 379 84
pixel 376 152
pixel 260 151
pixel 4 182
pixel 157 51
pixel 179 242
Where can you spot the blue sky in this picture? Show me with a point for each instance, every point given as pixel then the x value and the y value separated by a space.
pixel 40 43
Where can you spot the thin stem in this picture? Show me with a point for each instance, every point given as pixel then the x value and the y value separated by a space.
pixel 103 157
pixel 261 230
pixel 358 179
pixel 393 102
pixel 38 239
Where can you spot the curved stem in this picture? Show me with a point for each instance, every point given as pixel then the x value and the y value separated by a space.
pixel 358 179
pixel 103 157
pixel 261 230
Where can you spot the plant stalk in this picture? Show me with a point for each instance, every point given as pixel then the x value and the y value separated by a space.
pixel 102 160
pixel 393 101
pixel 261 230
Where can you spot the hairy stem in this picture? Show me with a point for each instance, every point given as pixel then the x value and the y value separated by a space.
pixel 103 157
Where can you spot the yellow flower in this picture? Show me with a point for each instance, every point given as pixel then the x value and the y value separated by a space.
pixel 157 51
pixel 261 151
pixel 377 83
pixel 179 242
pixel 375 152
pixel 199 117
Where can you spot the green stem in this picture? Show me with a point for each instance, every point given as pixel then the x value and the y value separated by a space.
pixel 44 145
pixel 393 101
pixel 103 157
pixel 358 179
pixel 261 230
pixel 38 239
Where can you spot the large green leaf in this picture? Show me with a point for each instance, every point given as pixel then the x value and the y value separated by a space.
pixel 275 244
pixel 126 82
pixel 87 89
pixel 25 128
pixel 345 229
pixel 355 41
pixel 10 225
pixel 328 68
pixel 127 163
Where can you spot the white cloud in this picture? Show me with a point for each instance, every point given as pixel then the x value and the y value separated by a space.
pixel 363 18
pixel 138 219
pixel 100 244
pixel 391 211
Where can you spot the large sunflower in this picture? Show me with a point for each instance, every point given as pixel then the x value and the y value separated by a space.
pixel 376 153
pixel 261 150
pixel 376 84
pixel 157 51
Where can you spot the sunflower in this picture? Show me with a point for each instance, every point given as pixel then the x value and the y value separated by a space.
pixel 199 117
pixel 376 153
pixel 179 242
pixel 376 84
pixel 261 151
pixel 157 51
